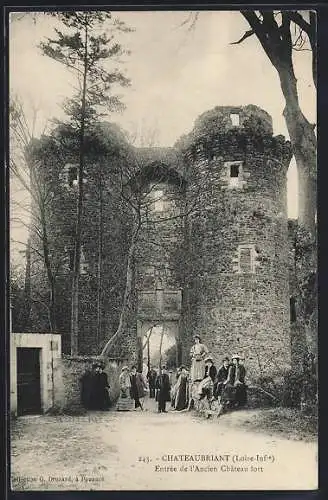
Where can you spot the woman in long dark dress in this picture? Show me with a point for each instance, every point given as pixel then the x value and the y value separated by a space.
pixel 182 390
pixel 100 389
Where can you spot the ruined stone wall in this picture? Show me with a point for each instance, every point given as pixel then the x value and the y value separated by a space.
pixel 230 223
pixel 68 391
pixel 158 260
pixel 233 311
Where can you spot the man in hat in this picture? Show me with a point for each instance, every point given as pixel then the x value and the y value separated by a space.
pixel 151 377
pixel 162 390
pixel 138 387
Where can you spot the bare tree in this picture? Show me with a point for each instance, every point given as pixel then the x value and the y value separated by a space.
pixel 30 201
pixel 279 33
pixel 83 51
pixel 138 196
pixel 144 135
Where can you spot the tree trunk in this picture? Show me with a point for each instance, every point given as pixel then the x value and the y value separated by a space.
pixel 278 45
pixel 307 203
pixel 148 354
pixel 27 288
pixel 148 338
pixel 127 295
pixel 78 229
pixel 100 251
pixel 50 275
pixel 303 141
pixel 160 347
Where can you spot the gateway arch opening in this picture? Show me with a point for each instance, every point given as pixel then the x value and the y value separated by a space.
pixel 160 347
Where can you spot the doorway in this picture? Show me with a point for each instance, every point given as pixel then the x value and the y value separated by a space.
pixel 160 346
pixel 28 381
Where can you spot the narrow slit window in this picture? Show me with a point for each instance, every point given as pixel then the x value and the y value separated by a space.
pixel 234 171
pixel 292 309
pixel 83 263
pixel 234 119
pixel 246 259
pixel 158 201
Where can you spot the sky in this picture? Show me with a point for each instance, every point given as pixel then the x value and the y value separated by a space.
pixel 176 74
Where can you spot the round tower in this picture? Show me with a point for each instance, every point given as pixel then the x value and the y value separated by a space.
pixel 236 294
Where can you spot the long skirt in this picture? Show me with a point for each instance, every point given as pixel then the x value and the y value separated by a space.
pixel 181 397
pixel 124 403
pixel 197 370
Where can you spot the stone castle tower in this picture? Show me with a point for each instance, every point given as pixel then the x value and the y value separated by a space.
pixel 212 251
pixel 221 271
pixel 237 287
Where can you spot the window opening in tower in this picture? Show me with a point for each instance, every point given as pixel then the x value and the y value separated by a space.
pixel 234 119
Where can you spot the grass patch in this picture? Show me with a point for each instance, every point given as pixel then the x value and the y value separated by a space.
pixel 287 422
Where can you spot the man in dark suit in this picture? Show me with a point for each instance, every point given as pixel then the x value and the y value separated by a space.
pixel 163 387
pixel 151 376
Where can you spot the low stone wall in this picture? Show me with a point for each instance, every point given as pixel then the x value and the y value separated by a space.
pixel 68 385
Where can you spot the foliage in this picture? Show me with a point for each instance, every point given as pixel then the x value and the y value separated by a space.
pixel 17 298
pixel 170 356
pixel 291 388
pixel 85 54
pixel 106 152
pixel 304 281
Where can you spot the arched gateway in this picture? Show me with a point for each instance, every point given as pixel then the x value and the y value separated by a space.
pixel 213 252
pixel 159 278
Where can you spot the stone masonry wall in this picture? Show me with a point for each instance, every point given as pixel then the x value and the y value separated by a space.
pixel 247 313
pixel 68 388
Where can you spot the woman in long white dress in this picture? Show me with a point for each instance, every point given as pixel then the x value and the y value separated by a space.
pixel 125 401
pixel 198 353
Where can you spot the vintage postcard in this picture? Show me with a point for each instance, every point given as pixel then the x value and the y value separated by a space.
pixel 163 270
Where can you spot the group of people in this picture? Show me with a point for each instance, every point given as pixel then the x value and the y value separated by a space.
pixel 227 384
pixel 203 381
pixel 95 389
pixel 133 388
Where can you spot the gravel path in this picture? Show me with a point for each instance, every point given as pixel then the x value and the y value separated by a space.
pixel 136 451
